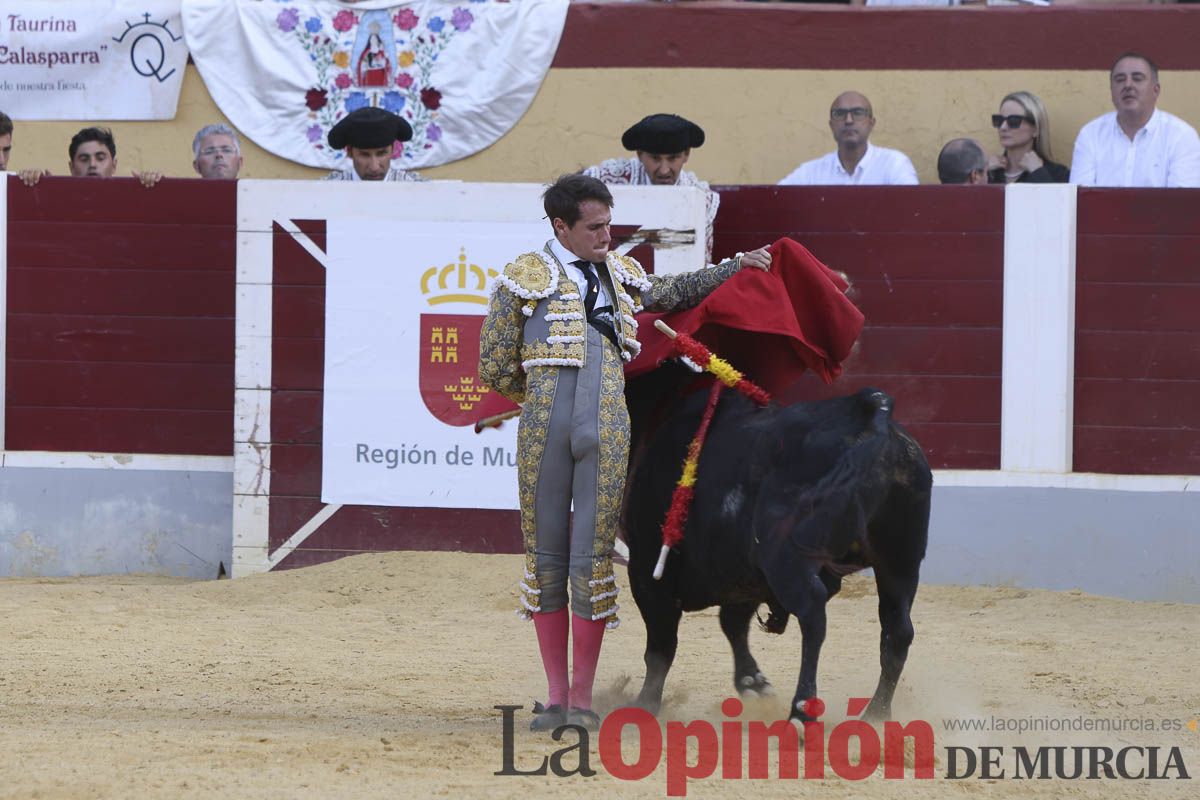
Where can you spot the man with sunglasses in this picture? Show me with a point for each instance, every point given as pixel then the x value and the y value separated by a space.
pixel 1137 145
pixel 855 162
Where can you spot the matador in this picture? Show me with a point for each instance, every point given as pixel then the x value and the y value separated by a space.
pixel 559 327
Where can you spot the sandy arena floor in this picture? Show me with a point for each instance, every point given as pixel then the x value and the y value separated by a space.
pixel 376 677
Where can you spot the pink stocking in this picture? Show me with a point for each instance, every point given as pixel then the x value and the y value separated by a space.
pixel 586 637
pixel 552 631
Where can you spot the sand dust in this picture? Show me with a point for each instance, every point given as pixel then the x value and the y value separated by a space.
pixel 376 677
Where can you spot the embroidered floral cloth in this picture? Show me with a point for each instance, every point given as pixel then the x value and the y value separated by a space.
pixel 462 73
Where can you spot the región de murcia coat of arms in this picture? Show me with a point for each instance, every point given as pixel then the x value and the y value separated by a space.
pixel 449 358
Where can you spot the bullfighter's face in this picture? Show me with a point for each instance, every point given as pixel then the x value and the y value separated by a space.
pixel 590 236
pixel 663 168
pixel 371 163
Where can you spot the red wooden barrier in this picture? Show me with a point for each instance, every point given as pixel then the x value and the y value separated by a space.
pixel 927 266
pixel 120 316
pixel 1137 341
pixel 734 35
pixel 121 302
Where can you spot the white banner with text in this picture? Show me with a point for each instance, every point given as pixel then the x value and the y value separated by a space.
pixel 404 303
pixel 91 59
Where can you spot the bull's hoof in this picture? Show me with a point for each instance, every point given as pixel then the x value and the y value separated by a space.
pixel 806 711
pixel 756 684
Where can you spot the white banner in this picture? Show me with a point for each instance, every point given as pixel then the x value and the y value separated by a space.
pixel 462 73
pixel 409 268
pixel 390 439
pixel 91 59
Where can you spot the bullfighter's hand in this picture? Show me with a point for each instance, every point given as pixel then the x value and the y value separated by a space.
pixel 759 259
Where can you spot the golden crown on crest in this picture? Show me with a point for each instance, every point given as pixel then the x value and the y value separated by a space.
pixel 457 282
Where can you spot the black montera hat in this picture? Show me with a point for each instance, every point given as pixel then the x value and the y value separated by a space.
pixel 368 128
pixel 663 133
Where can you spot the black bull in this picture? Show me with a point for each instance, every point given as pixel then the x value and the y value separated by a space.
pixel 788 500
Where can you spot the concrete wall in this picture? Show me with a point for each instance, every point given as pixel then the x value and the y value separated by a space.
pixel 58 522
pixel 1141 545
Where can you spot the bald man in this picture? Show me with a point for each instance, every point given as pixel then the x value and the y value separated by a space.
pixel 855 162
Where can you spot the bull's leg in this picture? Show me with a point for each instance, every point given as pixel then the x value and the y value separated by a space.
pixel 810 612
pixel 735 623
pixel 897 589
pixel 662 637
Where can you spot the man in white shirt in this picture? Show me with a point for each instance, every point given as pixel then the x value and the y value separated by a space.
pixel 369 134
pixel 855 162
pixel 1137 145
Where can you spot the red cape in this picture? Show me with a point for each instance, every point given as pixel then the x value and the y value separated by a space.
pixel 771 326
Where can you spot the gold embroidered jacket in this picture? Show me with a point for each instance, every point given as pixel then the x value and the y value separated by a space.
pixel 536 315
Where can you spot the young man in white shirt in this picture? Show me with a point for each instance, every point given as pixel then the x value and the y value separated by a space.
pixel 1138 145
pixel 855 162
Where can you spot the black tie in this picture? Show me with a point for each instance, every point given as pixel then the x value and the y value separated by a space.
pixel 598 318
pixel 593 284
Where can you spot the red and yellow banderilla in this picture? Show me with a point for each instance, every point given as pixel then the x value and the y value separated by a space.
pixel 681 499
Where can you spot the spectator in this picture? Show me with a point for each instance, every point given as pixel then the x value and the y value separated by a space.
pixel 217 152
pixel 93 154
pixel 369 136
pixel 6 132
pixel 662 143
pixel 855 162
pixel 28 176
pixel 962 161
pixel 1138 144
pixel 1024 129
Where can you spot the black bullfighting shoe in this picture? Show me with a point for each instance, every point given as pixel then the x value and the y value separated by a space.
pixel 585 718
pixel 548 717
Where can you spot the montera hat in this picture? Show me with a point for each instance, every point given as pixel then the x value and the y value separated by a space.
pixel 663 133
pixel 368 128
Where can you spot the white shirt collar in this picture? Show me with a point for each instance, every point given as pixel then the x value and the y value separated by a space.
pixel 561 253
pixel 862 162
pixel 1150 127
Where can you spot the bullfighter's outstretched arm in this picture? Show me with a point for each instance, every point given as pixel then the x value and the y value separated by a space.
pixel 687 289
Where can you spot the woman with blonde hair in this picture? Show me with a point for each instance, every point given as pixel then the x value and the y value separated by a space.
pixel 1024 129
